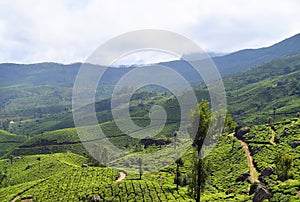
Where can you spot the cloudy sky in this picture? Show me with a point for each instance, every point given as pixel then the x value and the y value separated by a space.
pixel 68 31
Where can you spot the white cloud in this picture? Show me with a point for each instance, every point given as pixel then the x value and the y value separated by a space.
pixel 68 31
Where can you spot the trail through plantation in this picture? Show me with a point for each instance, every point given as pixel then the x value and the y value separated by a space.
pixel 253 171
pixel 121 177
pixel 272 140
pixel 15 199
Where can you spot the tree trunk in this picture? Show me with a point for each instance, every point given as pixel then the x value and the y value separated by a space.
pixel 177 175
pixel 198 182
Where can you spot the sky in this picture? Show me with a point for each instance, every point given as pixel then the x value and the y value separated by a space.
pixel 68 31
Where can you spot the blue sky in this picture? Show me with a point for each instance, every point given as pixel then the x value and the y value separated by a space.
pixel 68 31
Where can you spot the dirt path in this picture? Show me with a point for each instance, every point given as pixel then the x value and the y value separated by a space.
pixel 121 177
pixel 253 171
pixel 15 199
pixel 272 140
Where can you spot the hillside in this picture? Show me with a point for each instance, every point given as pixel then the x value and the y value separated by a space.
pixel 9 141
pixel 42 157
pixel 271 90
pixel 243 60
pixel 46 88
pixel 251 98
pixel 66 180
pixel 229 156
pixel 60 177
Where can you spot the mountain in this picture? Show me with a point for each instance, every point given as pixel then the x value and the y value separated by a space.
pixel 269 91
pixel 251 98
pixel 249 163
pixel 245 59
pixel 46 88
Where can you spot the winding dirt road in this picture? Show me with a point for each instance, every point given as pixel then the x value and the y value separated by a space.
pixel 121 177
pixel 253 172
pixel 272 140
pixel 15 199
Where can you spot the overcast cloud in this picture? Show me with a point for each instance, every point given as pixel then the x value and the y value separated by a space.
pixel 68 31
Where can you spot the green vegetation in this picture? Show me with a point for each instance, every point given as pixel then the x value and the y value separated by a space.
pixel 271 90
pixel 200 122
pixel 283 163
pixel 60 177
pixel 257 155
pixel 9 141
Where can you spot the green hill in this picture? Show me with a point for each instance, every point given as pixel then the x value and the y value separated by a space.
pixel 60 177
pixel 251 98
pixel 271 90
pixel 9 141
pixel 261 159
pixel 30 90
pixel 232 174
pixel 64 140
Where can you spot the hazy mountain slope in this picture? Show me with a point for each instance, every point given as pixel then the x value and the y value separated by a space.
pixel 253 95
pixel 245 59
pixel 42 88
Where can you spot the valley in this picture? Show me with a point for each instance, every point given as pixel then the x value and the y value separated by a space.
pixel 256 158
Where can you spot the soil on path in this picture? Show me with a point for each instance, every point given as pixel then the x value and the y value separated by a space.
pixel 121 177
pixel 253 172
pixel 272 140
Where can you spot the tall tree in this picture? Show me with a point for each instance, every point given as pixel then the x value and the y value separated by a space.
pixel 140 162
pixel 39 159
pixel 11 159
pixel 179 162
pixel 283 163
pixel 2 177
pixel 104 157
pixel 200 122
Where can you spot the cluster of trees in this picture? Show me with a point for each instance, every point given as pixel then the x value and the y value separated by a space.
pixel 283 163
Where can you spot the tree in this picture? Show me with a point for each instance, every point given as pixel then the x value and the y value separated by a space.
pixel 39 159
pixel 178 162
pixel 229 124
pixel 283 163
pixel 11 159
pixel 140 162
pixel 3 176
pixel 269 120
pixel 200 122
pixel 104 157
pixel 5 124
pixel 175 140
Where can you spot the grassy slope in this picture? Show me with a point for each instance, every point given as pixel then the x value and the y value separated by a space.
pixel 251 98
pixel 67 139
pixel 227 157
pixel 59 177
pixel 9 141
pixel 229 162
pixel 253 95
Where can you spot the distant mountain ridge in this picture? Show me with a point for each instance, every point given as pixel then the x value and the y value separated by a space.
pixel 47 87
pixel 245 59
pixel 49 73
